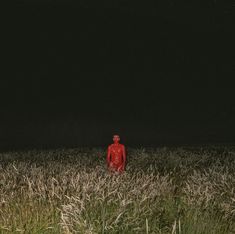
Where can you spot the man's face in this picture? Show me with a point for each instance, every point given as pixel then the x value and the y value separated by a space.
pixel 116 138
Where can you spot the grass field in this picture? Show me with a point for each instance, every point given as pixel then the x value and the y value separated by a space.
pixel 182 190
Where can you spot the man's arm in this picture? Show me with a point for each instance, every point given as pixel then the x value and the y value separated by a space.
pixel 124 156
pixel 108 156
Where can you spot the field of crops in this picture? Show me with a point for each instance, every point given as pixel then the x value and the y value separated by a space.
pixel 182 190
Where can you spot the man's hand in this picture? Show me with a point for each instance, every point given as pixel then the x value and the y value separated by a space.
pixel 121 168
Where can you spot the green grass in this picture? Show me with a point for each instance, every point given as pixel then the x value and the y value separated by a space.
pixel 182 190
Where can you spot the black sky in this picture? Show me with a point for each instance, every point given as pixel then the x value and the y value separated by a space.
pixel 155 72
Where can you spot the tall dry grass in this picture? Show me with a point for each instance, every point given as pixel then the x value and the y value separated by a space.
pixel 164 190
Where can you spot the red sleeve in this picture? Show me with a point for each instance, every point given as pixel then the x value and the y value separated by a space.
pixel 108 155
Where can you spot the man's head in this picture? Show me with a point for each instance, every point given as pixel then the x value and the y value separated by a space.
pixel 116 138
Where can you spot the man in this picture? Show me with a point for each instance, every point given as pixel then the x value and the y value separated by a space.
pixel 116 156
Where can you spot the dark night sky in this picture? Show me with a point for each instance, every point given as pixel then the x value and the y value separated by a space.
pixel 155 73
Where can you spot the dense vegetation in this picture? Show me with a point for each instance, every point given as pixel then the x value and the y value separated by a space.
pixel 164 190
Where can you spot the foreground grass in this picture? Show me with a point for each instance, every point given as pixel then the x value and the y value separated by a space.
pixel 180 190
